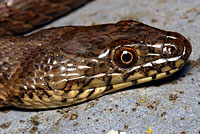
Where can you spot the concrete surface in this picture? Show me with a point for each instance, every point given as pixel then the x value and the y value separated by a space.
pixel 169 106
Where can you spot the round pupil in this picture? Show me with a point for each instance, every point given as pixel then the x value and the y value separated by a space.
pixel 126 56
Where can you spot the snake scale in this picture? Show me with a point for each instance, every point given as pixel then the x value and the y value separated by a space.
pixel 67 65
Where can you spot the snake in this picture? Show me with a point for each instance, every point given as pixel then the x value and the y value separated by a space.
pixel 63 66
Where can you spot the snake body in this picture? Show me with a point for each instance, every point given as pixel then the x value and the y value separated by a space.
pixel 21 16
pixel 68 65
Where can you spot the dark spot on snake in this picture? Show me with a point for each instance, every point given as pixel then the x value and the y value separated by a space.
pixel 47 79
pixel 144 70
pixel 6 75
pixel 168 72
pixel 18 99
pixel 55 66
pixel 90 54
pixel 87 82
pixel 47 68
pixel 153 76
pixel 36 66
pixel 21 75
pixel 40 97
pixel 91 92
pixel 42 66
pixel 107 80
pixel 22 95
pixel 30 95
pixel 49 87
pixel 79 92
pixel 172 65
pixel 44 91
pixel 125 76
pixel 109 87
pixel 30 72
pixel 64 100
pixel 38 79
pixel 101 64
pixel 67 91
pixel 60 58
pixel 158 69
pixel 134 82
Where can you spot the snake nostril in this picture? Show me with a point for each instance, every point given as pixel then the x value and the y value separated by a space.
pixel 169 50
pixel 176 45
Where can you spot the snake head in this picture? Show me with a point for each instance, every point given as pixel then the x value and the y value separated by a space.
pixel 145 53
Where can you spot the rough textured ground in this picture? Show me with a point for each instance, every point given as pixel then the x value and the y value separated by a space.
pixel 170 106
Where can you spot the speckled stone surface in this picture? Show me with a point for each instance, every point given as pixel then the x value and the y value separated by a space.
pixel 170 106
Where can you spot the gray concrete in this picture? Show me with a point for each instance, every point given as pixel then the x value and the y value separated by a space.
pixel 170 106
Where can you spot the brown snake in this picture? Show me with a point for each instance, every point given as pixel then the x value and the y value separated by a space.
pixel 68 65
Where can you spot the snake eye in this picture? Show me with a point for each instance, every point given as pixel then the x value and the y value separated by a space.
pixel 125 57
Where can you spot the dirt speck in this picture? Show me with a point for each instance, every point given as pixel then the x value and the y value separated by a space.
pixel 66 111
pixel 125 126
pixel 182 118
pixel 73 116
pixel 137 104
pixel 195 63
pixel 57 122
pixel 33 130
pixel 174 82
pixel 75 124
pixel 34 120
pixel 190 73
pixel 153 105
pixel 182 132
pixel 5 125
pixel 21 121
pixel 150 106
pixel 134 109
pixel 163 114
pixel 154 20
pixel 181 92
pixel 190 21
pixel 173 97
pixel 117 106
pixel 91 104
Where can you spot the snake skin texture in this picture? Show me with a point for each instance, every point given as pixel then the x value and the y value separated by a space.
pixel 20 16
pixel 67 65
